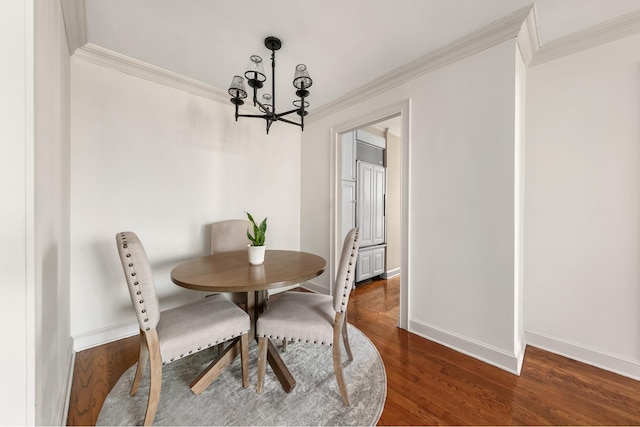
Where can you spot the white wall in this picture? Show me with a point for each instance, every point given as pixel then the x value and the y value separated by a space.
pixel 52 193
pixel 35 189
pixel 461 261
pixel 163 163
pixel 582 218
pixel 17 406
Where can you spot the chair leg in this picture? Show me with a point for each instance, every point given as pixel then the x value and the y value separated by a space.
pixel 284 345
pixel 244 358
pixel 337 367
pixel 143 356
pixel 345 339
pixel 338 323
pixel 156 377
pixel 262 362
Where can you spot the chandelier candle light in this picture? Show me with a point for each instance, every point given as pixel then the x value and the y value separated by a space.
pixel 256 78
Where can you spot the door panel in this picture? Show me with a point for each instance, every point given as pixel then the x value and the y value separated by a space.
pixel 365 207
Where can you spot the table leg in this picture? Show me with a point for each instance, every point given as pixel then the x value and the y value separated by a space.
pixel 255 307
pixel 216 367
pixel 251 311
pixel 279 368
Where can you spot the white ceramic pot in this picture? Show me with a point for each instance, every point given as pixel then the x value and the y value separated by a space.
pixel 256 254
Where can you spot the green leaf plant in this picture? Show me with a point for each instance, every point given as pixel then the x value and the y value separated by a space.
pixel 258 231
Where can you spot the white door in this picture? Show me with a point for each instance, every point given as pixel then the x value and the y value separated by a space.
pixel 364 219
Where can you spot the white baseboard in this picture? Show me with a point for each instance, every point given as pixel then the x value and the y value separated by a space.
pixel 105 335
pixel 486 353
pixel 391 273
pixel 315 288
pixel 608 362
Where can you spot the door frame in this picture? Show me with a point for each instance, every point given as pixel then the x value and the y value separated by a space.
pixel 403 109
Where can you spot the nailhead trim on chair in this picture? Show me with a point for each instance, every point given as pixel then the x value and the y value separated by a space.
pixel 200 348
pixel 125 245
pixel 295 339
pixel 348 282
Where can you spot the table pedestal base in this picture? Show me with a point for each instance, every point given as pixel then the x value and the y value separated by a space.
pixel 216 367
pixel 255 305
pixel 279 368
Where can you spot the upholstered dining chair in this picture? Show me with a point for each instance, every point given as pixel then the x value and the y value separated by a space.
pixel 178 332
pixel 313 318
pixel 228 236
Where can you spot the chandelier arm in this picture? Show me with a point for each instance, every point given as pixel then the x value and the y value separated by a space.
pixel 289 121
pixel 258 116
pixel 287 112
pixel 262 107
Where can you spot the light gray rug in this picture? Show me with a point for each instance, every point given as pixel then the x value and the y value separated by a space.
pixel 315 400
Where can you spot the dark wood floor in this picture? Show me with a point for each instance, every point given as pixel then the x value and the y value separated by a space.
pixel 427 383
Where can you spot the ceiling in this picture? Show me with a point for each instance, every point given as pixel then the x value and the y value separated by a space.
pixel 344 43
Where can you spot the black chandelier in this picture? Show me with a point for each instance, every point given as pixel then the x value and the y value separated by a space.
pixel 256 77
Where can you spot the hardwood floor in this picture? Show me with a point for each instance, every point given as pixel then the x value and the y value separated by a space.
pixel 427 383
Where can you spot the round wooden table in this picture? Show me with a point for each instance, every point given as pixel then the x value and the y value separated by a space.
pixel 231 272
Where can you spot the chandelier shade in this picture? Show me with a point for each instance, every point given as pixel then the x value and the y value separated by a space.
pixel 256 79
pixel 255 72
pixel 266 102
pixel 301 79
pixel 236 90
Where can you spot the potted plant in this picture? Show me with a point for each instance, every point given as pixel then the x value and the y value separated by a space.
pixel 256 248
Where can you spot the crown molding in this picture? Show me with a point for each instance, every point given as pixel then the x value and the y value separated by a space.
pixel 116 61
pixel 75 23
pixel 520 25
pixel 495 33
pixel 528 38
pixel 389 131
pixel 605 32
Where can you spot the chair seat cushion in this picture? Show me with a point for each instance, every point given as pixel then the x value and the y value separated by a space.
pixel 189 328
pixel 299 316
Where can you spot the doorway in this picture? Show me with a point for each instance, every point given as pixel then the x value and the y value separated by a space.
pixel 392 124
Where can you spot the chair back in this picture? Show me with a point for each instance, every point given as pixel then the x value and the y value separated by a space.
pixel 137 272
pixel 230 235
pixel 346 270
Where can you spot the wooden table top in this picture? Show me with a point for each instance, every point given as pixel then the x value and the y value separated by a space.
pixel 231 271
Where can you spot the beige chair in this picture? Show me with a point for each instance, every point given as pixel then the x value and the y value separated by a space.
pixel 179 332
pixel 228 236
pixel 313 318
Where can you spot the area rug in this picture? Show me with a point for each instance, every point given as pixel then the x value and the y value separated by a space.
pixel 315 400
